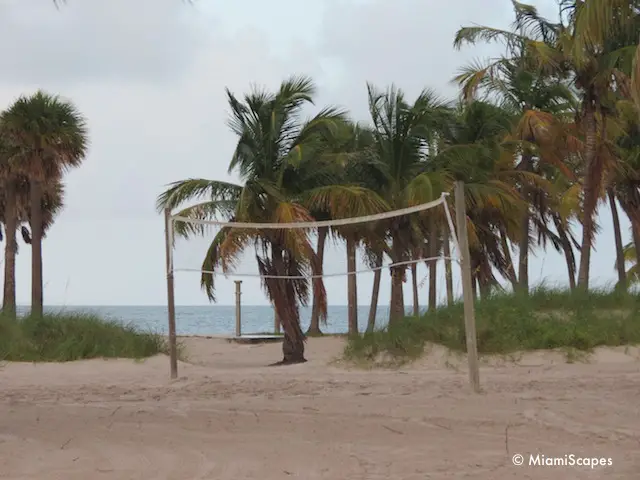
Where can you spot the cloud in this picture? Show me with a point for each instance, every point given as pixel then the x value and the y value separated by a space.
pixel 92 40
pixel 408 43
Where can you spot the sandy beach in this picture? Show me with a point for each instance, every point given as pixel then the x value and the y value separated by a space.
pixel 229 416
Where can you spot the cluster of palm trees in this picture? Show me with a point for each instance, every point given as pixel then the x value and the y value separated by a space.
pixel 41 137
pixel 541 136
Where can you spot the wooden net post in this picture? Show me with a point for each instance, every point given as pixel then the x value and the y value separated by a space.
pixel 171 305
pixel 467 292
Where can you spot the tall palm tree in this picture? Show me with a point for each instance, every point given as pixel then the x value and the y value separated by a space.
pixel 51 136
pixel 9 211
pixel 278 158
pixel 15 212
pixel 355 165
pixel 346 161
pixel 625 180
pixel 540 100
pixel 585 47
pixel 402 133
pixel 475 151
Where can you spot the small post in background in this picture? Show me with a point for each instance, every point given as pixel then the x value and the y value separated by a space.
pixel 238 309
pixel 276 323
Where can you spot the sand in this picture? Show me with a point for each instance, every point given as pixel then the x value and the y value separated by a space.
pixel 229 416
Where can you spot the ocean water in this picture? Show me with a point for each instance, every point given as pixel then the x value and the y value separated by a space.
pixel 219 319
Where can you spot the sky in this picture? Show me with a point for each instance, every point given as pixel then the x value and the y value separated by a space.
pixel 149 76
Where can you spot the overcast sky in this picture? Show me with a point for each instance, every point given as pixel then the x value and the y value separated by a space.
pixel 150 76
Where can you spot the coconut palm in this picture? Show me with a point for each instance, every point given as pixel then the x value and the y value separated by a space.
pixel 50 136
pixel 585 47
pixel 355 164
pixel 474 151
pixel 625 180
pixel 402 132
pixel 346 160
pixel 541 101
pixel 623 187
pixel 279 160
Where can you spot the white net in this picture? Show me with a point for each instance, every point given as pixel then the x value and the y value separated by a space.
pixel 419 228
pixel 187 254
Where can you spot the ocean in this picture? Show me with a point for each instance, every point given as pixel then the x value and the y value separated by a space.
pixel 218 319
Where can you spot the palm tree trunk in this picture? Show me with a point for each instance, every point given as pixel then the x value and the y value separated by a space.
pixel 433 265
pixel 284 301
pixel 567 248
pixel 314 325
pixel 352 286
pixel 590 196
pixel 11 225
pixel 414 285
pixel 292 350
pixel 511 273
pixel 523 260
pixel 396 310
pixel 36 248
pixel 448 275
pixel 474 286
pixel 373 308
pixel 622 276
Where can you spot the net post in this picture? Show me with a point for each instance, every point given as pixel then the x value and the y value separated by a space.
pixel 467 293
pixel 238 308
pixel 171 305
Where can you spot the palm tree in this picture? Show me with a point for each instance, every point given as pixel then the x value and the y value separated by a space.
pixel 346 161
pixel 541 101
pixel 625 181
pixel 279 160
pixel 585 47
pixel 402 133
pixel 14 213
pixel 474 150
pixel 9 213
pixel 355 166
pixel 50 136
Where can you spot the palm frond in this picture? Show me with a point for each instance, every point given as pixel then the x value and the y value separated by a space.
pixel 196 189
pixel 476 34
pixel 345 201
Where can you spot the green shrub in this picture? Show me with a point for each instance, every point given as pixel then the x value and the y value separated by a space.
pixel 507 323
pixel 73 336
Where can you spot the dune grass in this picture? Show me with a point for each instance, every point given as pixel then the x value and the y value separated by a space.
pixel 509 323
pixel 64 336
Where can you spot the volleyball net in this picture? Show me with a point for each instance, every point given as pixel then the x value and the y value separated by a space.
pixel 391 240
pixel 195 242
